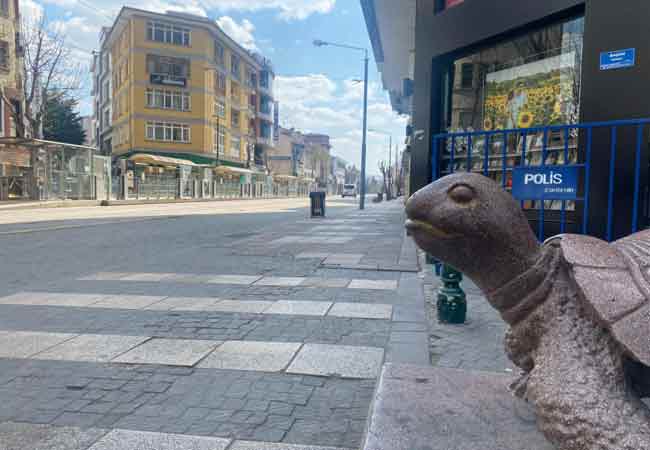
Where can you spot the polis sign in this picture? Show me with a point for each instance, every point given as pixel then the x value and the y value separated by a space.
pixel 545 183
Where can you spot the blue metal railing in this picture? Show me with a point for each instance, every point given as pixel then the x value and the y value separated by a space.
pixel 504 150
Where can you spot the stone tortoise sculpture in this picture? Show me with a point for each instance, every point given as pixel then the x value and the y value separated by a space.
pixel 578 309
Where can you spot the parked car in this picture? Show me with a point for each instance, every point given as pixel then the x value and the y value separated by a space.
pixel 349 190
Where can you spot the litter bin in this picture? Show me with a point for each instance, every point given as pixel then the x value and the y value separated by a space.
pixel 317 204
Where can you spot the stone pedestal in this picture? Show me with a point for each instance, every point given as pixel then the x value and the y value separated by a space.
pixel 428 408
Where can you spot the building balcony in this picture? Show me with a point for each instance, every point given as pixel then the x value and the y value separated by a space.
pixel 266 89
pixel 265 115
pixel 268 141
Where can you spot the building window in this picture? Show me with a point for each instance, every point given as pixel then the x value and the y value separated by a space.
pixel 165 65
pixel 251 78
pixel 107 117
pixel 266 105
pixel 4 55
pixel 165 99
pixel 4 7
pixel 234 119
pixel 234 66
pixel 219 53
pixel 168 33
pixel 234 92
pixel 220 83
pixel 219 140
pixel 2 119
pixel 219 108
pixel 265 79
pixel 467 76
pixel 235 147
pixel 168 132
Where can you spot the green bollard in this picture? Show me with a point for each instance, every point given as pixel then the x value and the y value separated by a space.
pixel 452 303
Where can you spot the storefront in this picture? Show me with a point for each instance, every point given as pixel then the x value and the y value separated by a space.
pixel 514 65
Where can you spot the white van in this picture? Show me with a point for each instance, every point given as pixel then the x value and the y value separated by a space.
pixel 349 190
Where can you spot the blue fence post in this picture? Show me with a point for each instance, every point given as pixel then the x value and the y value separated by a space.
pixel 540 225
pixel 486 156
pixel 451 154
pixel 610 195
pixel 469 152
pixel 637 172
pixel 585 211
pixel 524 136
pixel 504 166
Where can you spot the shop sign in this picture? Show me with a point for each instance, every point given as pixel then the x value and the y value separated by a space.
pixel 618 59
pixel 545 183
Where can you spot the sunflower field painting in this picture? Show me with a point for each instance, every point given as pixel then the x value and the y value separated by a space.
pixel 531 95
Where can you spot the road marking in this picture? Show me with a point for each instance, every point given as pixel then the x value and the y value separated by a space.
pixel 257 356
pixel 251 280
pixel 202 304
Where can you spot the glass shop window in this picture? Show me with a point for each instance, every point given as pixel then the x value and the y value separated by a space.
pixel 530 81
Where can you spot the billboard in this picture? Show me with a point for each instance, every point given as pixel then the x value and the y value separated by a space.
pixel 534 94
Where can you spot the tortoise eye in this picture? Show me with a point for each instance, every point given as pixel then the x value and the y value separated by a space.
pixel 461 193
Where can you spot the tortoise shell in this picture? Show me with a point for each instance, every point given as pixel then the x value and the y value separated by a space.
pixel 613 281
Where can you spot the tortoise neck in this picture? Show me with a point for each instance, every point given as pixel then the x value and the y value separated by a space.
pixel 521 295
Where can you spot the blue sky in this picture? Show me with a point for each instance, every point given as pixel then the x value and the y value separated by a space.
pixel 315 86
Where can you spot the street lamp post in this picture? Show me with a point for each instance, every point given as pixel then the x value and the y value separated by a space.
pixel 362 187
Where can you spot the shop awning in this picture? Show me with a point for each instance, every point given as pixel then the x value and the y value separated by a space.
pixel 234 170
pixel 145 158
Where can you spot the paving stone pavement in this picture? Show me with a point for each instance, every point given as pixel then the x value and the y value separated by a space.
pixel 278 346
pixel 475 345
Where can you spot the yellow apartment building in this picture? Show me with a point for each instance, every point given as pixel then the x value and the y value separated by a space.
pixel 178 91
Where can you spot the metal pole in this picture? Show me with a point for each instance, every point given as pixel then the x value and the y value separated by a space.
pixel 362 190
pixel 389 194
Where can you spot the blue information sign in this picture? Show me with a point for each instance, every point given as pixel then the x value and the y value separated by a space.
pixel 618 59
pixel 545 183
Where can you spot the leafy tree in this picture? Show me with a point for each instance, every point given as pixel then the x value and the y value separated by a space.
pixel 62 122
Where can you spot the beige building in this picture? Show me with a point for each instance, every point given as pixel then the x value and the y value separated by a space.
pixel 15 161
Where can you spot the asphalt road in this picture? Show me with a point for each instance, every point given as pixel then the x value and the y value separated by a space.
pixel 40 246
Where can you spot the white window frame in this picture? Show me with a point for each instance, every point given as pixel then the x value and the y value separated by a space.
pixel 168 99
pixel 219 140
pixel 2 118
pixel 168 33
pixel 219 108
pixel 235 147
pixel 234 114
pixel 168 132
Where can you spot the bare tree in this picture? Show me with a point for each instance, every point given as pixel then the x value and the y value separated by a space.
pixel 49 73
pixel 385 172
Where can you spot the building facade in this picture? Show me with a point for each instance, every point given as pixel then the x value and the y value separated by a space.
pixel 286 161
pixel 16 163
pixel 516 65
pixel 176 86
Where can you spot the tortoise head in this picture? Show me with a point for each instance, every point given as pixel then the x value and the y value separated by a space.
pixel 468 221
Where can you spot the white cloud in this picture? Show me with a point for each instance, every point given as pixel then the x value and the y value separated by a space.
pixel 288 9
pixel 74 25
pixel 30 9
pixel 306 89
pixel 190 7
pixel 242 33
pixel 315 103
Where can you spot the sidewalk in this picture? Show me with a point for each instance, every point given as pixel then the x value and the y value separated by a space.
pixel 271 341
